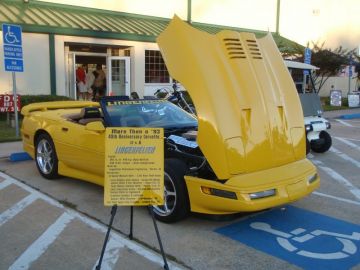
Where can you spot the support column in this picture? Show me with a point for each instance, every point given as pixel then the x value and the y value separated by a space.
pixel 52 64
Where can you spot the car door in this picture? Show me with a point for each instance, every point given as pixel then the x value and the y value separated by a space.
pixel 81 150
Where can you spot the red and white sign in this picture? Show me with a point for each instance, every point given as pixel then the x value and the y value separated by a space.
pixel 7 103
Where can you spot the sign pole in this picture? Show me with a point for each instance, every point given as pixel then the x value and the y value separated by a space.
pixel 350 74
pixel 15 105
pixel 13 59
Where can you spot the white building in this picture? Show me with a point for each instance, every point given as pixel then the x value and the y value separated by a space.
pixel 58 38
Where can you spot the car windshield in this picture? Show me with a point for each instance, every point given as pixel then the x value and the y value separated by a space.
pixel 145 113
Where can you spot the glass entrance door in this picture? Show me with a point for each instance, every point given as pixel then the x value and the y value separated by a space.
pixel 71 77
pixel 118 76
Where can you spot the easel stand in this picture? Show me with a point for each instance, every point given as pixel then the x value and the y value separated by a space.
pixel 113 213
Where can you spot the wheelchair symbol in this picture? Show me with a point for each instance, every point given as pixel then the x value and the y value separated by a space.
pixel 349 248
pixel 10 37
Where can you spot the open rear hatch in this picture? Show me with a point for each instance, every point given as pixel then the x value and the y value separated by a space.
pixel 249 113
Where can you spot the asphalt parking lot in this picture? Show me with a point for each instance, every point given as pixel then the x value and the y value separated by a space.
pixel 61 224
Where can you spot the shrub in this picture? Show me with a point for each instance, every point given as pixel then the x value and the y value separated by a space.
pixel 326 101
pixel 28 99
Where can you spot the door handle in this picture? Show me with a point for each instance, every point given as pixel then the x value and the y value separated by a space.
pixel 65 129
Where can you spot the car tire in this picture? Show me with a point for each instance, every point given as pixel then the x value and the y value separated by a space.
pixel 176 205
pixel 45 157
pixel 324 145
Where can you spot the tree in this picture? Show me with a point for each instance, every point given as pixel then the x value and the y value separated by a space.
pixel 329 61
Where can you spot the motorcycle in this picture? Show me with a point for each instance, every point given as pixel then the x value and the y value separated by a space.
pixel 176 97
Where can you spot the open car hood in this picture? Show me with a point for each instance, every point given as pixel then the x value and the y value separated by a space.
pixel 249 113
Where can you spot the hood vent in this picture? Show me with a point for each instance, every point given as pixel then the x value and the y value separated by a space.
pixel 234 48
pixel 253 48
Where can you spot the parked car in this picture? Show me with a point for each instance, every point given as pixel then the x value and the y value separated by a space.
pixel 317 137
pixel 245 150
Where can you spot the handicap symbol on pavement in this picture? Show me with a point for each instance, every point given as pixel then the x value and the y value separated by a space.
pixel 349 248
pixel 304 238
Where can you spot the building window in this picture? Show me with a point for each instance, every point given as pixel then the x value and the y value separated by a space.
pixel 155 68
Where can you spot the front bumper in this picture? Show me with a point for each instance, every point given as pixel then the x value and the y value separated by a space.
pixel 291 182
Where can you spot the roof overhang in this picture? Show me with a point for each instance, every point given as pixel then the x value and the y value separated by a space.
pixel 299 65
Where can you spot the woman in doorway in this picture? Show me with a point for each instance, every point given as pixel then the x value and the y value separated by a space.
pixel 99 82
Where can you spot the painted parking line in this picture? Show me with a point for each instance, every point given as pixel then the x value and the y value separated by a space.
pixel 316 162
pixel 4 184
pixel 17 208
pixel 352 120
pixel 345 156
pixel 348 142
pixel 339 178
pixel 344 123
pixel 116 240
pixel 40 245
pixel 336 198
pixel 307 239
pixel 111 255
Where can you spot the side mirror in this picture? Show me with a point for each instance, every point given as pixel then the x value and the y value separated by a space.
pixel 96 126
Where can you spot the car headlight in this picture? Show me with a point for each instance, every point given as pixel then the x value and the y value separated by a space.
pixel 262 194
pixel 308 127
pixel 219 193
pixel 312 178
pixel 328 125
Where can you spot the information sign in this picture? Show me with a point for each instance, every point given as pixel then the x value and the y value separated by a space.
pixel 354 100
pixel 350 66
pixel 7 103
pixel 335 97
pixel 307 59
pixel 13 54
pixel 134 166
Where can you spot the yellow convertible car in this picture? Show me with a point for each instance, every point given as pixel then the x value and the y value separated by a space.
pixel 245 151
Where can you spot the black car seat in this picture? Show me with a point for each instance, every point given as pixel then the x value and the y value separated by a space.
pixel 90 114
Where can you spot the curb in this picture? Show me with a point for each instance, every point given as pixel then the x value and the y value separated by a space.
pixel 350 116
pixel 21 156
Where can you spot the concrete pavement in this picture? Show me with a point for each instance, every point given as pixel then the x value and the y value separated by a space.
pixel 38 232
pixel 7 148
pixel 78 243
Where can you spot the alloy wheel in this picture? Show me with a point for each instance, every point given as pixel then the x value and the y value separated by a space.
pixel 169 198
pixel 44 156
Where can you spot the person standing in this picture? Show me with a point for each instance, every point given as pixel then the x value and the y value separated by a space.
pixel 89 79
pixel 80 81
pixel 99 82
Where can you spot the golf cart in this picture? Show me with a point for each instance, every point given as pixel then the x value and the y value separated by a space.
pixel 317 138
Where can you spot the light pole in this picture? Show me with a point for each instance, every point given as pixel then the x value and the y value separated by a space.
pixel 189 12
pixel 278 17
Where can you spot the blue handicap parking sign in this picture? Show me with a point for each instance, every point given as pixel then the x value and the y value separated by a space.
pixel 16 65
pixel 307 239
pixel 13 53
pixel 11 34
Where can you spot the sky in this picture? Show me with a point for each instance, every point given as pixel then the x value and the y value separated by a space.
pixel 335 22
